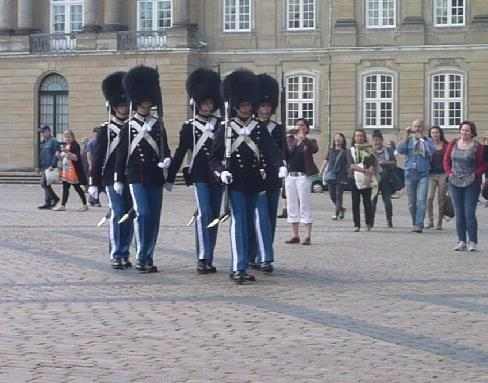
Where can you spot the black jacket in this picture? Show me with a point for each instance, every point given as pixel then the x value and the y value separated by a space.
pixel 200 170
pixel 141 166
pixel 103 169
pixel 273 182
pixel 246 168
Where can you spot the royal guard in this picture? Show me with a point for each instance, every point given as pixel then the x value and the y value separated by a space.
pixel 143 158
pixel 103 168
pixel 196 141
pixel 242 155
pixel 261 251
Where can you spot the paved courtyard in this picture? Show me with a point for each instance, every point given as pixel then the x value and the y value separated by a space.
pixel 385 306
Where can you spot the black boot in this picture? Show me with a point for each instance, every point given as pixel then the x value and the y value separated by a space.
pixel 284 213
pixel 202 267
pixel 390 222
pixel 117 264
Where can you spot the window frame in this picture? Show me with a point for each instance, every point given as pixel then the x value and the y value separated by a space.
pixel 301 17
pixel 314 123
pixel 155 19
pixel 66 4
pixel 449 16
pixel 380 17
pixel 378 100
pixel 237 29
pixel 447 100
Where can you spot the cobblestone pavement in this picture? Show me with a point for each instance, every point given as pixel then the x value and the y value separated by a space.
pixel 384 306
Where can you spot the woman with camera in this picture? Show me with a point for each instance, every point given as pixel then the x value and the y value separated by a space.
pixel 299 155
pixel 72 170
pixel 363 171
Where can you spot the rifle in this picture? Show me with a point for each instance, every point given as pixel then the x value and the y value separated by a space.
pixel 194 107
pixel 228 152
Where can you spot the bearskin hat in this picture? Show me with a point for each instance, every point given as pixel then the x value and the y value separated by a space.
pixel 269 91
pixel 241 86
pixel 142 84
pixel 113 90
pixel 203 84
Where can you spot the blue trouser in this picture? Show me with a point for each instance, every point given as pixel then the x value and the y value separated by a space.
pixel 465 201
pixel 262 237
pixel 417 190
pixel 120 235
pixel 208 198
pixel 147 201
pixel 242 206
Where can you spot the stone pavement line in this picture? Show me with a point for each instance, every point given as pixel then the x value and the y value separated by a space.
pixel 359 327
pixel 450 301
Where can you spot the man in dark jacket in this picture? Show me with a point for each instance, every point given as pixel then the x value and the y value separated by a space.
pixel 48 161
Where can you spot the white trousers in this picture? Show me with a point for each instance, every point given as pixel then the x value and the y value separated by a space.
pixel 298 199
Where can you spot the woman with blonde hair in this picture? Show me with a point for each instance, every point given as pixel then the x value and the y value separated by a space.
pixel 72 171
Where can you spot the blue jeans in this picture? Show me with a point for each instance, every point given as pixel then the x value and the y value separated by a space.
pixel 147 201
pixel 417 189
pixel 208 198
pixel 120 235
pixel 465 201
pixel 242 206
pixel 263 227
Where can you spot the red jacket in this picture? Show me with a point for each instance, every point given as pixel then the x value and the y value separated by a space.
pixel 480 165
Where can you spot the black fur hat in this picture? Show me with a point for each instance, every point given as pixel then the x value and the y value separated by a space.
pixel 269 91
pixel 203 84
pixel 241 86
pixel 113 90
pixel 142 84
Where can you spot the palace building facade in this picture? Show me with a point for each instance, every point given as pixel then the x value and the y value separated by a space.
pixel 344 64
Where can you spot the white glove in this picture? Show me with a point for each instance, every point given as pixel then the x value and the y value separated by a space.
pixel 168 186
pixel 165 164
pixel 283 172
pixel 93 192
pixel 119 188
pixel 226 177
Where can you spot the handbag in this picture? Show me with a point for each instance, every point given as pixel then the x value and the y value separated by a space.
pixel 397 179
pixel 52 176
pixel 448 208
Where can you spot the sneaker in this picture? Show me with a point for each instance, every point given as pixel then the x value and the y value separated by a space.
pixel 461 246
pixel 267 267
pixel 54 202
pixel 369 227
pixel 342 213
pixel 44 207
pixel 438 227
pixel 356 229
pixel 117 264
pixel 334 218
pixel 151 269
pixel 241 277
pixel 202 267
pixel 126 263
pixel 211 269
pixel 472 246
pixel 60 208
pixel 430 225
pixel 83 208
pixel 417 229
pixel 141 268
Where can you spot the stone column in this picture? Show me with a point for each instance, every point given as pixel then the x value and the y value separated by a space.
pixel 7 16
pixel 345 31
pixel 479 10
pixel 24 16
pixel 91 10
pixel 113 16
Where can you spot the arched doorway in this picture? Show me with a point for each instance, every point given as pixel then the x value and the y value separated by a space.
pixel 53 104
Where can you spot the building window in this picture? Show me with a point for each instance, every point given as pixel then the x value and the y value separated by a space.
pixel 154 15
pixel 301 14
pixel 237 15
pixel 378 91
pixel 380 13
pixel 447 99
pixel 66 16
pixel 53 104
pixel 300 99
pixel 449 13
